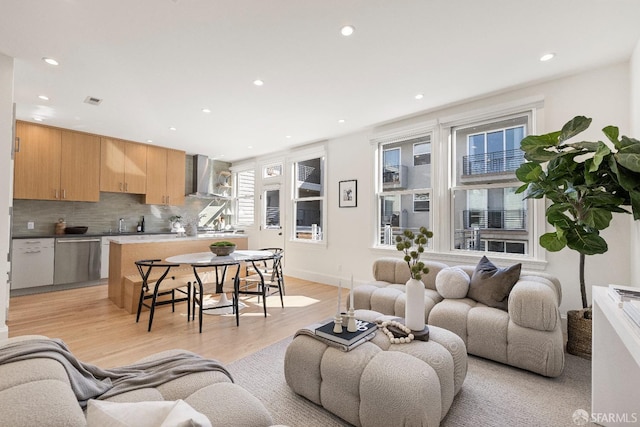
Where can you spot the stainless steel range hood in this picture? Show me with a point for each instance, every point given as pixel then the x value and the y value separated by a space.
pixel 205 178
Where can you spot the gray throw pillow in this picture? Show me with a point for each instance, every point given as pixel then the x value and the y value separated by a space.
pixel 491 285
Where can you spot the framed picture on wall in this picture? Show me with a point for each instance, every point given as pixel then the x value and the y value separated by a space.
pixel 348 193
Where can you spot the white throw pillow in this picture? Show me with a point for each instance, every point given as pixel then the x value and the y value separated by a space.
pixel 101 413
pixel 452 282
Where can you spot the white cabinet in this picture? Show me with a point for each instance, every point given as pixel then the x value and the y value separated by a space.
pixel 615 364
pixel 104 257
pixel 32 263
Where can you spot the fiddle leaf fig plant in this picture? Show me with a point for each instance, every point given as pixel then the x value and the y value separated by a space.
pixel 405 243
pixel 585 183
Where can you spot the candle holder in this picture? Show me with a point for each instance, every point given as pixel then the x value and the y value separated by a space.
pixel 351 324
pixel 337 324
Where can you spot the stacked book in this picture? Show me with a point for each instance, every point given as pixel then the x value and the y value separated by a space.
pixel 620 294
pixel 347 340
pixel 632 309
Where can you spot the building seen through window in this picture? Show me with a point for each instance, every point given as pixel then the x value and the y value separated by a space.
pixel 309 199
pixel 404 196
pixel 487 214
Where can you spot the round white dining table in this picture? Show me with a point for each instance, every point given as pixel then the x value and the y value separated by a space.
pixel 210 258
pixel 223 305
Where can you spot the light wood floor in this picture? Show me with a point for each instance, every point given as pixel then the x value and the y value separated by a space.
pixel 100 333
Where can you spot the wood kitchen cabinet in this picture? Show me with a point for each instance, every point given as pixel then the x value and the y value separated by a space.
pixel 123 166
pixel 165 176
pixel 56 164
pixel 37 162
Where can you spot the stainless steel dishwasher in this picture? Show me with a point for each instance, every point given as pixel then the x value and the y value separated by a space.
pixel 77 259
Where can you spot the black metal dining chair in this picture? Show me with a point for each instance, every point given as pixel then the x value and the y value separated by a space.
pixel 220 269
pixel 157 283
pixel 271 269
pixel 265 273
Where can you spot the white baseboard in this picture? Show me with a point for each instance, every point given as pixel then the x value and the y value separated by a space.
pixel 326 279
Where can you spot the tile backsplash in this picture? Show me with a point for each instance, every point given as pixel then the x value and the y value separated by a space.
pixel 100 217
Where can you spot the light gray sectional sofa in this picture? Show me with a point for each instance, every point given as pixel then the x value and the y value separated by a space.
pixel 37 392
pixel 527 335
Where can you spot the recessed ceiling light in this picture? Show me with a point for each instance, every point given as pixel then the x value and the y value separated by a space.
pixel 547 57
pixel 172 128
pixel 50 61
pixel 419 96
pixel 206 110
pixel 288 136
pixel 43 97
pixel 38 119
pixel 149 140
pixel 341 121
pixel 347 30
pixel 258 82
pixel 249 147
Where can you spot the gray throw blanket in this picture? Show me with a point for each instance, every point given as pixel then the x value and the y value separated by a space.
pixel 91 382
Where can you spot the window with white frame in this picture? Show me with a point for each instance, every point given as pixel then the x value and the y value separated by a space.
pixel 271 208
pixel 245 197
pixel 309 199
pixel 272 171
pixel 487 214
pixel 404 185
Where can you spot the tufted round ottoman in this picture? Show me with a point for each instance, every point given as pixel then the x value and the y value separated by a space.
pixel 379 383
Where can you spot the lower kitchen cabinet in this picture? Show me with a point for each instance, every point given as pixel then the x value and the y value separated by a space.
pixel 32 263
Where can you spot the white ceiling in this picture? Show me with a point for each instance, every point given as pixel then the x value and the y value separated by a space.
pixel 158 63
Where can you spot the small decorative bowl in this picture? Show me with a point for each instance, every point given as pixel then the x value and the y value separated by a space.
pixel 222 250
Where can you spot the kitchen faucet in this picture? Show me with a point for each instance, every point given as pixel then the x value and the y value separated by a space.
pixel 121 225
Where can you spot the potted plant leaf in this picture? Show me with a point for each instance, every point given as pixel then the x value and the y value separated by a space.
pixel 585 182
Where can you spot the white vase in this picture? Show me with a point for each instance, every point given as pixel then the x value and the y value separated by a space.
pixel 414 305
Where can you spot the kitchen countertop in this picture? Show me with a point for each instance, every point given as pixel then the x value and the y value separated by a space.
pixel 105 234
pixel 137 237
pixel 174 236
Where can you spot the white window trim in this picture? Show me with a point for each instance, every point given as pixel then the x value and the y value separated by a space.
pixel 238 168
pixel 377 144
pixel 441 208
pixel 310 152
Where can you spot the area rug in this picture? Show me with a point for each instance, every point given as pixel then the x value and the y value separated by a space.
pixel 493 394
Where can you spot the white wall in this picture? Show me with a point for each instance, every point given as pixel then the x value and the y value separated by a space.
pixel 602 94
pixel 6 177
pixel 635 132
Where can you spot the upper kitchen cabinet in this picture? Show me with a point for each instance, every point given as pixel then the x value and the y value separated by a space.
pixel 55 164
pixel 37 162
pixel 123 166
pixel 165 176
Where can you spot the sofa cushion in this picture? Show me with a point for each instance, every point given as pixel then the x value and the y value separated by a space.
pixel 140 414
pixel 491 285
pixel 47 402
pixel 229 405
pixel 452 282
pixel 533 304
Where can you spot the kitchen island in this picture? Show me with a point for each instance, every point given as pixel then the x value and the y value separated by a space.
pixel 124 251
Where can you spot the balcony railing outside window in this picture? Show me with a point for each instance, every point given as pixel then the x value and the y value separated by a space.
pixel 496 162
pixel 509 219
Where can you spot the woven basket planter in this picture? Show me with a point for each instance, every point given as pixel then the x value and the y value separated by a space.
pixel 579 333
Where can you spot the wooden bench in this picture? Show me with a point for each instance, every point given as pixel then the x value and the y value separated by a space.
pixel 133 284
